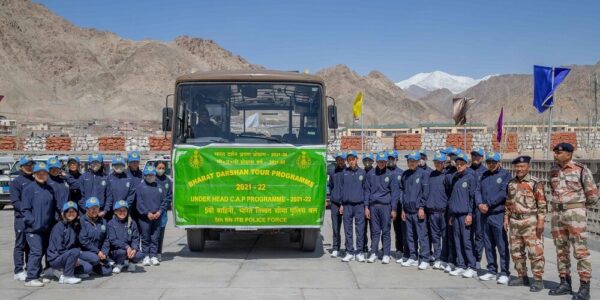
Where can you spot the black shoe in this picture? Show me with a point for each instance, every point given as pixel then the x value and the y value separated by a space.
pixel 537 285
pixel 564 288
pixel 584 292
pixel 519 281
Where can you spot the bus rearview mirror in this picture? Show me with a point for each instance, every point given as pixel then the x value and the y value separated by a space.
pixel 332 116
pixel 166 118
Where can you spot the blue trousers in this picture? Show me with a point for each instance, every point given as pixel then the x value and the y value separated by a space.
pixel 120 255
pixel 38 243
pixel 477 235
pixel 417 238
pixel 450 250
pixel 68 261
pixel 354 213
pixel 98 266
pixel 380 227
pixel 21 250
pixel 366 235
pixel 437 232
pixel 462 242
pixel 495 238
pixel 150 232
pixel 336 226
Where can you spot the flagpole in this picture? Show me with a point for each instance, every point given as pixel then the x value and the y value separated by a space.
pixel 465 128
pixel 362 128
pixel 550 120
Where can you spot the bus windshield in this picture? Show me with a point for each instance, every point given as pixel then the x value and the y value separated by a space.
pixel 249 113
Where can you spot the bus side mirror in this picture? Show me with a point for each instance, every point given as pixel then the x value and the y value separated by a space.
pixel 332 116
pixel 167 113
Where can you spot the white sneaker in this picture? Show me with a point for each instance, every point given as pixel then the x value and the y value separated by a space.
pixel 45 280
pixel 385 260
pixel 83 276
pixel 159 256
pixel 372 258
pixel 469 273
pixel 348 257
pixel 20 276
pixel 423 265
pixel 360 257
pixel 146 261
pixel 34 283
pixel 503 279
pixel 131 267
pixel 335 253
pixel 111 262
pixel 410 263
pixel 68 280
pixel 117 269
pixel 457 272
pixel 154 261
pixel 448 268
pixel 487 277
pixel 437 265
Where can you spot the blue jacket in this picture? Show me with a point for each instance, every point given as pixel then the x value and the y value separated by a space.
pixel 367 170
pixel 63 238
pixel 426 168
pixel 93 235
pixel 479 170
pixel 16 195
pixel 336 192
pixel 450 169
pixel 167 184
pixel 95 185
pixel 397 172
pixel 494 186
pixel 38 207
pixel 74 188
pixel 414 188
pixel 437 199
pixel 61 191
pixel 136 177
pixel 464 192
pixel 353 186
pixel 123 234
pixel 382 188
pixel 121 188
pixel 151 198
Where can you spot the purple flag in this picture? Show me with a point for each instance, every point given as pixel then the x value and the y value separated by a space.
pixel 499 125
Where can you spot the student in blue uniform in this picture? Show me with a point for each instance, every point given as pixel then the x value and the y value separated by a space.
pixel 477 155
pixel 121 187
pixel 136 177
pixel 72 176
pixel 59 184
pixel 95 184
pixel 450 155
pixel 398 224
pixel 93 238
pixel 437 205
pixel 368 166
pixel 381 206
pixel 63 250
pixel 124 239
pixel 151 204
pixel 423 162
pixel 16 199
pixel 353 207
pixel 38 208
pixel 494 186
pixel 414 189
pixel 335 201
pixel 167 183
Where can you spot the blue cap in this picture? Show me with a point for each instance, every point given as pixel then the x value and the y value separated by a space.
pixel 423 153
pixel 340 154
pixel 95 157
pixel 133 156
pixel 564 147
pixel 368 156
pixel 449 151
pixel 75 158
pixel 461 156
pixel 91 202
pixel 149 170
pixel 68 205
pixel 439 156
pixel 415 155
pixel 121 203
pixel 494 156
pixel 40 166
pixel 351 153
pixel 478 151
pixel 392 153
pixel 521 159
pixel 382 156
pixel 25 160
pixel 53 162
pixel 118 160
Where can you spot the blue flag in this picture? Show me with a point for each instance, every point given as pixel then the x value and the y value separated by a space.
pixel 543 89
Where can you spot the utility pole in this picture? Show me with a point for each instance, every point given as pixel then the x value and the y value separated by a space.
pixel 595 91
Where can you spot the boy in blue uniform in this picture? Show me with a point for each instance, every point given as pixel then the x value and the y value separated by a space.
pixel 59 185
pixel 398 224
pixel 464 193
pixel 93 239
pixel 382 196
pixel 368 166
pixel 124 239
pixel 16 199
pixel 151 204
pixel 38 208
pixel 167 183
pixel 437 204
pixel 477 155
pixel 494 187
pixel 414 188
pixel 335 201
pixel 95 184
pixel 353 208
pixel 63 250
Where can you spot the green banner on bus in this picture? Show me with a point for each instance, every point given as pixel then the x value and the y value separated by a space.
pixel 249 186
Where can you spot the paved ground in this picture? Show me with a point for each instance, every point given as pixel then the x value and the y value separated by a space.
pixel 251 266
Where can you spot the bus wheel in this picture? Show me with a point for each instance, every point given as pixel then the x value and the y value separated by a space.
pixel 196 239
pixel 308 239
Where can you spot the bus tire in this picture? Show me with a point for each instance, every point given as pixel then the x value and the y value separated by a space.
pixel 196 238
pixel 308 239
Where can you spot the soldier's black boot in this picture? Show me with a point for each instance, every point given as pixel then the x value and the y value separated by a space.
pixel 537 285
pixel 564 288
pixel 584 291
pixel 519 281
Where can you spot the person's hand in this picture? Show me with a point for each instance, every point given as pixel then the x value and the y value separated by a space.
pixel 403 216
pixel 450 221
pixel 483 208
pixel 101 255
pixel 367 213
pixel 468 220
pixel 539 228
pixel 157 214
pixel 77 263
pixel 393 215
pixel 421 214
pixel 101 214
pixel 505 224
pixel 150 216
pixel 341 210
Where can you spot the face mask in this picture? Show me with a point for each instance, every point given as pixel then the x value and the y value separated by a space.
pixel 119 169
pixel 160 172
pixel 150 179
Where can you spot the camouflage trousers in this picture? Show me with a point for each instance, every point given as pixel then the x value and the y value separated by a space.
pixel 523 240
pixel 569 230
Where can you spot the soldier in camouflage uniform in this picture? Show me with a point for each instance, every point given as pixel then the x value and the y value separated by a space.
pixel 524 215
pixel 573 191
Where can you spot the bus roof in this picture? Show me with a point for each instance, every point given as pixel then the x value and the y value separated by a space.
pixel 250 76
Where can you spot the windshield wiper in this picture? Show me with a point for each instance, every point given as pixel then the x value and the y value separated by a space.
pixel 268 138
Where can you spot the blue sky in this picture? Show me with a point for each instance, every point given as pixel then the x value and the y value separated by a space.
pixel 398 38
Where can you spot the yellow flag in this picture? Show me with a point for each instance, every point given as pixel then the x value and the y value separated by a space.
pixel 357 106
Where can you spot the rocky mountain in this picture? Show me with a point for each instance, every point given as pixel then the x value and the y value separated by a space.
pixel 419 83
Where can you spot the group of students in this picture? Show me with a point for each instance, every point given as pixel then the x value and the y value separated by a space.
pixel 92 222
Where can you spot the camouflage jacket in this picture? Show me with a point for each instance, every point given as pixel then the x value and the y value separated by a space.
pixel 573 183
pixel 525 196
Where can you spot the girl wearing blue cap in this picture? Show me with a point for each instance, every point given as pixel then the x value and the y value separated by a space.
pixel 16 196
pixel 59 185
pixel 151 203
pixel 121 187
pixel 167 184
pixel 92 237
pixel 95 184
pixel 72 176
pixel 124 239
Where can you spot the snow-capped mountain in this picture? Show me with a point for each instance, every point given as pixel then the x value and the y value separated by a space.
pixel 439 80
